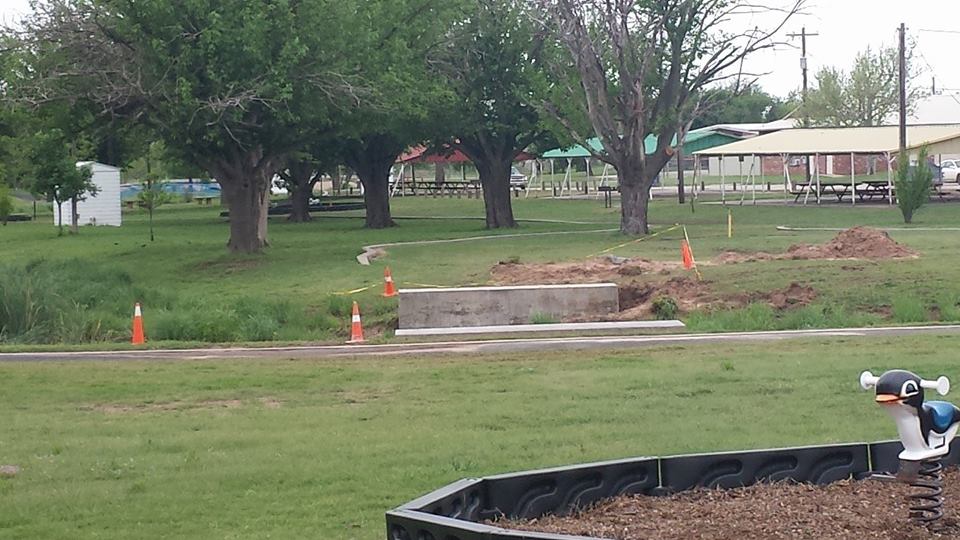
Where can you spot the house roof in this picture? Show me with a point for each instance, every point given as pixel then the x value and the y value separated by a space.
pixel 836 141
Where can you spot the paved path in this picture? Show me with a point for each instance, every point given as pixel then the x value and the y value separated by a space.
pixel 472 347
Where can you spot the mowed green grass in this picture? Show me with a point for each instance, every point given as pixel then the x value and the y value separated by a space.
pixel 188 273
pixel 321 449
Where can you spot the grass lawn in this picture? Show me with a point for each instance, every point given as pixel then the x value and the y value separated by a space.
pixel 194 291
pixel 320 449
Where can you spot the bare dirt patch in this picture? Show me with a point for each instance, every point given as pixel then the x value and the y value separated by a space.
pixel 270 403
pixel 590 271
pixel 855 243
pixel 637 299
pixel 840 511
pixel 115 408
pixel 795 295
pixel 643 282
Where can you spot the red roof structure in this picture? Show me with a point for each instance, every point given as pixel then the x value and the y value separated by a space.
pixel 421 154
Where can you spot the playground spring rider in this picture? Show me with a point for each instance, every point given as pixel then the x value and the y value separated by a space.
pixel 926 430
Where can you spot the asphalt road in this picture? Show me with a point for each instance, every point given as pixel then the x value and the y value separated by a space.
pixel 474 347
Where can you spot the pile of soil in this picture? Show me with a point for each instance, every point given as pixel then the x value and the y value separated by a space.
pixel 636 299
pixel 840 511
pixel 591 271
pixel 795 295
pixel 855 243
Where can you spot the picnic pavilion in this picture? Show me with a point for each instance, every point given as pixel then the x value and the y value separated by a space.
pixel 812 145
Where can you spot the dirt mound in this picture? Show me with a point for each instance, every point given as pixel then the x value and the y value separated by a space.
pixel 855 243
pixel 590 271
pixel 637 299
pixel 839 511
pixel 795 295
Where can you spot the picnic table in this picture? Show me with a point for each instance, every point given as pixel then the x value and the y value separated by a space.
pixel 866 190
pixel 837 189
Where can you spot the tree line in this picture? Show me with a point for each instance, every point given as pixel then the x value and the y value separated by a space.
pixel 245 90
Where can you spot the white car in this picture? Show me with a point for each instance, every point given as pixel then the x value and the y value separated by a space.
pixel 517 179
pixel 950 170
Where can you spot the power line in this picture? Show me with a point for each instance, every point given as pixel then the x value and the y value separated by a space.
pixel 932 31
pixel 930 67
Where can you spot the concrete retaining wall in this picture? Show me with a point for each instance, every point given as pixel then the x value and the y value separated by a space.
pixel 492 306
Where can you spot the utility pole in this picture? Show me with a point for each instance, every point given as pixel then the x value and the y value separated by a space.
pixel 903 89
pixel 803 35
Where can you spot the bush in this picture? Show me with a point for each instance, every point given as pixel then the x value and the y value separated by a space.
pixel 665 308
pixel 913 185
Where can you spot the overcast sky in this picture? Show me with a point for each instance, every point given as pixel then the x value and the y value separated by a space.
pixel 844 27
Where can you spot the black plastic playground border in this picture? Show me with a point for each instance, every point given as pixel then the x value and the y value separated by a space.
pixel 457 511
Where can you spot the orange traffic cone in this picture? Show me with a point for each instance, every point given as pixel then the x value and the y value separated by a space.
pixel 686 254
pixel 138 338
pixel 356 327
pixel 389 289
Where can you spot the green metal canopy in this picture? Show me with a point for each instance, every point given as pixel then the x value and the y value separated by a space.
pixel 696 141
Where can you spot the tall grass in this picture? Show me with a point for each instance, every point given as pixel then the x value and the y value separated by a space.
pixel 82 302
pixel 763 317
pixel 909 309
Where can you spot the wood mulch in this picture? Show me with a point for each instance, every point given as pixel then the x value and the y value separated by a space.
pixel 843 510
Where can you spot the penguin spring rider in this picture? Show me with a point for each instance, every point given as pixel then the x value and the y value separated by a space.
pixel 926 430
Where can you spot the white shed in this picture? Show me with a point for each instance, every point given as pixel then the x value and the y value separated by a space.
pixel 102 208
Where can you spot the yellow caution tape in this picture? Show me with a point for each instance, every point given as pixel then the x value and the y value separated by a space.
pixel 354 291
pixel 635 241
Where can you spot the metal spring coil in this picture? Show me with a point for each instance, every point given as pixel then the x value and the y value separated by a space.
pixel 927 505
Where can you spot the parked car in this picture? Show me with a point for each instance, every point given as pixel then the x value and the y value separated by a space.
pixel 950 169
pixel 517 179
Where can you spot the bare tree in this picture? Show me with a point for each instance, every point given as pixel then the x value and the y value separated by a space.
pixel 639 68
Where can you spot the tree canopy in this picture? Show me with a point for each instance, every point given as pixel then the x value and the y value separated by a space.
pixel 733 105
pixel 492 64
pixel 224 83
pixel 866 95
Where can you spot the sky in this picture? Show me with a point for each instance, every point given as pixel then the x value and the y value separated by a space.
pixel 844 28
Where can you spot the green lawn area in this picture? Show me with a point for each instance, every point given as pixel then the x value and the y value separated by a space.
pixel 194 291
pixel 320 449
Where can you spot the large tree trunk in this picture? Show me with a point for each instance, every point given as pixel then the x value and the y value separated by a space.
pixel 245 182
pixel 372 159
pixel 634 202
pixel 495 180
pixel 300 178
pixel 376 195
pixel 300 204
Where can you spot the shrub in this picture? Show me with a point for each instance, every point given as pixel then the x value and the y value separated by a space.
pixel 913 185
pixel 665 308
